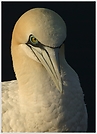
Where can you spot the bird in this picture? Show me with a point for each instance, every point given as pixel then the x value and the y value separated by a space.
pixel 46 95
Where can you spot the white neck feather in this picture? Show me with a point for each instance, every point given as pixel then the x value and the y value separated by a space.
pixel 32 76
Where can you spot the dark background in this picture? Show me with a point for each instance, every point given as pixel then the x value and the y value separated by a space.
pixel 79 44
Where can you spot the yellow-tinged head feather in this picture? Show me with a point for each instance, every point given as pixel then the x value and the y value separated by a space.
pixel 46 26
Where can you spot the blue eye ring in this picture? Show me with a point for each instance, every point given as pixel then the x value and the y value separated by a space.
pixel 33 40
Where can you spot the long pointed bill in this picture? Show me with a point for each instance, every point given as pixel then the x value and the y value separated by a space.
pixel 49 57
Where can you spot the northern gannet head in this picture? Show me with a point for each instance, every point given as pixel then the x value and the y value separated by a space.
pixel 41 32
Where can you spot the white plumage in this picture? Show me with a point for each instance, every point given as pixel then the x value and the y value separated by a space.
pixel 47 96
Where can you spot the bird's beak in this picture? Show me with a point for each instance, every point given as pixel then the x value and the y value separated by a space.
pixel 49 57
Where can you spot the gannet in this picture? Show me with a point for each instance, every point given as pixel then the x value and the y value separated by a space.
pixel 47 95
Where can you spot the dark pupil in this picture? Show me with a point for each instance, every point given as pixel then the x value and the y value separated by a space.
pixel 34 38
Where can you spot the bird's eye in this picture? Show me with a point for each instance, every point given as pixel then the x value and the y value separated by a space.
pixel 33 40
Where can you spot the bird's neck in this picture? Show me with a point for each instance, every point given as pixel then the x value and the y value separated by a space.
pixel 31 75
